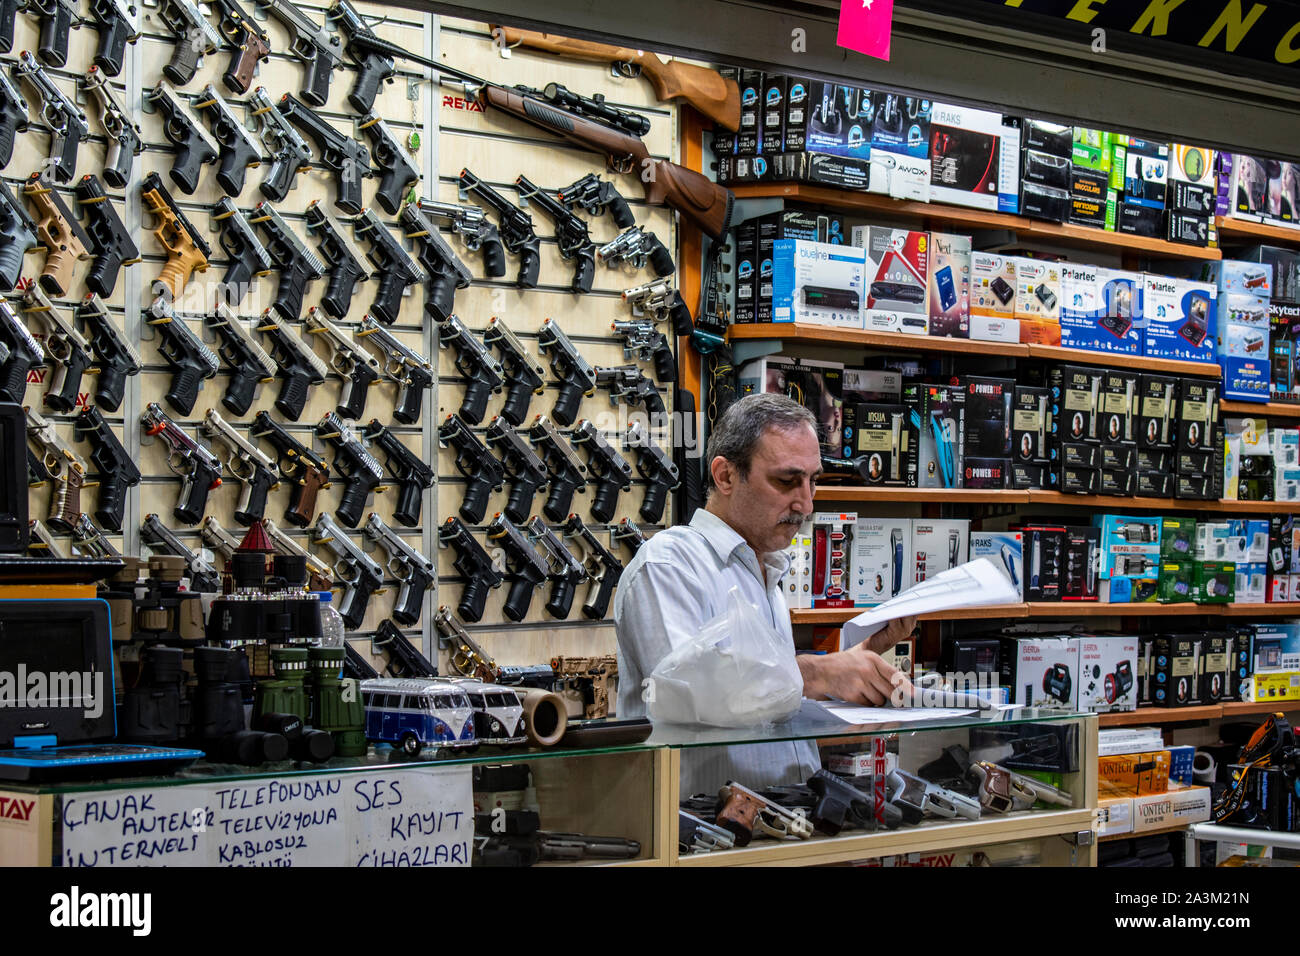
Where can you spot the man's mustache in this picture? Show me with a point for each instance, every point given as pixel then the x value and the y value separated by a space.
pixel 793 519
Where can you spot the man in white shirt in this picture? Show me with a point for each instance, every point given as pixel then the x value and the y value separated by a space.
pixel 764 460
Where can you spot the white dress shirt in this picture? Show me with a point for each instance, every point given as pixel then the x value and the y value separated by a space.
pixel 677 582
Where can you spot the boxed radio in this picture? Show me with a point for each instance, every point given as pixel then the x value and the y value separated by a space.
pixel 897 264
pixel 1106 667
pixel 1042 672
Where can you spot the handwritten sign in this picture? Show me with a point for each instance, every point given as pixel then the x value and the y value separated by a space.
pixel 401 817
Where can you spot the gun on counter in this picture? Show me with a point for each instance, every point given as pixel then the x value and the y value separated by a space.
pixel 446 272
pixel 290 153
pixel 250 43
pixel 342 155
pixel 374 67
pixel 112 21
pixel 191 361
pixel 360 575
pixel 522 373
pixel 482 372
pixel 256 472
pixel 195 39
pixel 647 343
pixel 393 263
pixel 124 142
pixel 68 351
pixel 656 467
pixel 471 224
pixel 696 836
pixel 347 265
pixel 513 224
pixel 412 475
pixel 248 362
pixel 635 247
pixel 358 367
pixel 567 473
pixel 1002 790
pixel 238 151
pixel 473 564
pixel 320 576
pixel 398 173
pixel 204 578
pixel 565 571
pixel 608 469
pixel 408 369
pixel 187 251
pixel 357 468
pixel 525 568
pixel 195 147
pixel 110 242
pixel 23 353
pixel 630 385
pixel 603 569
pixel 409 567
pixel 115 358
pixel 306 471
pixel 60 232
pixel 521 467
pixel 524 844
pixel 249 259
pixel 62 467
pixel 290 256
pixel 467 658
pixel 482 472
pixel 193 462
pixel 571 234
pixel 319 50
pixel 598 196
pixel 918 798
pixel 298 366
pixel 660 301
pixel 403 658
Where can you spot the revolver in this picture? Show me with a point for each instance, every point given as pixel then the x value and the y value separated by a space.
pixel 603 569
pixel 195 147
pixel 636 247
pixel 112 19
pixel 648 344
pixel 399 174
pixel 413 476
pixel 402 365
pixel 195 38
pixel 471 224
pixel 598 196
pixel 342 155
pixel 198 468
pixel 187 251
pixel 22 354
pixel 248 362
pixel 65 120
pixel 659 300
pixel 577 377
pixel 190 359
pixel 238 151
pixel 358 367
pixel 515 227
pixel 656 467
pixel 255 471
pixel 319 50
pixel 348 267
pixel 298 464
pixel 520 466
pixel 394 264
pixel 467 657
pixel 564 570
pixel 299 366
pixel 204 578
pixel 290 256
pixel 17 237
pixel 447 273
pixel 571 234
pixel 567 472
pixel 472 563
pixel 525 568
pixel 356 466
pixel 65 468
pixel 68 351
pixel 111 243
pixel 124 142
pixel 1001 790
pixel 745 812
pixel 60 232
pixel 289 151
pixel 360 574
pixel 627 383
pixel 249 259
pixel 414 571
pixel 483 473
pixel 522 372
pixel 475 362
pixel 607 468
pixel 115 357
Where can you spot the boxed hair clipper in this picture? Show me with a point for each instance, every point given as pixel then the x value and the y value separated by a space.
pixel 881 560
pixel 1030 426
pixel 1176 669
pixel 832 555
pixel 937 545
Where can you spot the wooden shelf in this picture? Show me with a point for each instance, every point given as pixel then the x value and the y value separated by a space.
pixel 1054 353
pixel 1096 609
pixel 959 216
pixel 1232 228
pixel 1160 715
pixel 1268 409
pixel 943 496
pixel 841 615
pixel 1063 610
pixel 1280 609
pixel 1111 837
pixel 1245 708
pixel 1037 496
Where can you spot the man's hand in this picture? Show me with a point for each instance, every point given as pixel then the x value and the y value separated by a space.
pixel 889 635
pixel 858 676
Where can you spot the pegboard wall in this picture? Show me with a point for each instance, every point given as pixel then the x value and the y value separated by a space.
pixel 454 134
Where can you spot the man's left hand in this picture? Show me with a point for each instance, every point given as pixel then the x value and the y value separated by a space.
pixel 889 635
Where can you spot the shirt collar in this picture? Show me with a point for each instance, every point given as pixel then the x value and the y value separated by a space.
pixel 724 540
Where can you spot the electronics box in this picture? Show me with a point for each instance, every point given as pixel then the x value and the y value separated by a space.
pixel 798 105
pixel 771 114
pixel 1275 647
pixel 882 438
pixel 993 286
pixel 869 386
pixel 815 385
pixel 1174 585
pixel 1115 815
pixel 881 566
pixel 1214 582
pixel 901 125
pixel 832 557
pixel 1216 670
pixel 1080 306
pixel 1079 581
pixel 746 237
pixel 1198 413
pixel 988 415
pixel 1192 164
pixel 1038 301
pixel 1176 669
pixel 1044 550
pixel 818 283
pixel 1241 276
pixel 1119 312
pixel 1130 546
pixel 936 417
pixel 898 290
pixel 937 545
pixel 751 101
pixel 1174 808
pixel 1178 538
pixel 1252 583
pixel 839 121
pixel 1179 316
pixel 1266 688
pixel 1091 149
pixel 1030 426
pixel 1181 760
pixel 950 268
pixel 798 580
pixel 1133 774
pixel 899 176
pixel 1107 669
pixel 1045 202
pixel 972 655
pixel 1042 672
pixel 1118 408
pixel 975 158
pixel 1076 395
pixel 1006 548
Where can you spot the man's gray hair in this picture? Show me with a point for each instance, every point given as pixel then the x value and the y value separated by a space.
pixel 737 433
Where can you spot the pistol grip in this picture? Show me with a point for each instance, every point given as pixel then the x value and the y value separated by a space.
pixel 293 394
pixel 13 379
pixel 621 211
pixel 61 260
pixel 566 404
pixel 11 261
pixel 665 363
pixel 388 300
pixel 252 506
pixel 102 277
pixel 661 260
pixel 605 501
pixel 410 502
pixel 194 496
pixel 362 96
pixel 475 403
pixel 175 276
pixel 184 391
pixel 355 598
pixel 585 272
pixel 520 503
pixel 338 293
pixel 53 44
pixel 188 165
pixel 352 399
pixel 652 506
pixel 65 503
pixel 474 507
pixel 239 75
pixel 410 400
pixel 288 296
pixel 494 258
pixel 279 180
pixel 353 503
pixel 112 501
pixel 184 62
pixel 316 92
pixel 239 393
pixel 117 164
pixel 530 265
pixel 560 501
pixel 410 600
pixel 391 188
pixel 595 608
pixel 110 388
pixel 441 291
pixel 349 190
pixel 65 383
pixel 302 503
pixel 515 408
pixel 473 599
pixel 519 599
pixel 111 47
pixel 231 172
pixel 561 601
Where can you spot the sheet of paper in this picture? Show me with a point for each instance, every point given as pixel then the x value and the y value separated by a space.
pixel 853 714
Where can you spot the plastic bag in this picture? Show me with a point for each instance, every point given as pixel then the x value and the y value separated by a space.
pixel 737 673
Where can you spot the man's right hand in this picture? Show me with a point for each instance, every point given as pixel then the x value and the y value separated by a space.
pixel 858 676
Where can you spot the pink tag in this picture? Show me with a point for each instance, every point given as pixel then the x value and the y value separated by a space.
pixel 866 25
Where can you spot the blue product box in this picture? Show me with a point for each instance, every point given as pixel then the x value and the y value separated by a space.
pixel 1180 764
pixel 817 282
pixel 901 125
pixel 1005 548
pixel 1100 309
pixel 1130 546
pixel 1233 275
pixel 1252 583
pixel 1180 319
pixel 1246 380
pixel 1276 647
pixel 839 120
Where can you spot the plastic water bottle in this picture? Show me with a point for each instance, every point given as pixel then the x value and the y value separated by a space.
pixel 331 621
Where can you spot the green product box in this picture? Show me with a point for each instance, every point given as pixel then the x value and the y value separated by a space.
pixel 1118 160
pixel 1091 149
pixel 1177 539
pixel 1175 583
pixel 1214 582
pixel 1112 209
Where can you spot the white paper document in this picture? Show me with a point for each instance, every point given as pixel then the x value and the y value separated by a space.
pixel 853 714
pixel 977 583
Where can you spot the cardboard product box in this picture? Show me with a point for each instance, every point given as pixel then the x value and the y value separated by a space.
pixel 950 274
pixel 839 123
pixel 1249 188
pixel 1038 300
pixel 971 655
pixel 867 386
pixel 988 415
pixel 751 99
pixel 1174 585
pixel 746 244
pixel 1193 201
pixel 1154 459
pixel 1240 276
pixel 1074 481
pixel 899 176
pixel 1243 664
pixel 1120 482
pixel 1119 319
pixel 1130 545
pixel 1223 169
pixel 1107 668
pixel 1180 766
pixel 798 580
pixel 1179 318
pixel 936 415
pixel 1279 686
pixel 1280 193
pixel 813 226
pixel 1024 747
pixel 1091 149
pixel 1117 456
pixel 1193 164
pixel 1280 531
pixel 772 113
pixel 975 158
pixel 1216 667
pixel 1284 265
pixel 993 287
pixel 1269 800
pixel 1214 541
pixel 1030 427
pixel 1139 219
pixel 1129 740
pixel 1045 202
pixel 817 283
pixel 1174 808
pixel 1006 548
pixel 901 125
pixel 1275 647
pixel 815 384
pixel 1146 171
pixel 1045 137
pixel 1115 816
pixel 1077 454
pixel 1091 200
pixel 1250 535
pixel 824 169
pixel 1190 230
pixel 832 559
pixel 937 545
pixel 881 569
pixel 1198 412
pixel 1118 406
pixel 1079 577
pixel 1284 334
pixel 1252 583
pixel 987 329
pixel 1081 306
pixel 1154 484
pixel 1286 464
pixel 882 437
pixel 1177 669
pixel 1076 396
pixel 1157 411
pixel 898 290
pixel 1146 670
pixel 1042 672
pixel 1046 169
pixel 1044 561
pixel 798 105
pixel 1177 538
pixel 988 473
